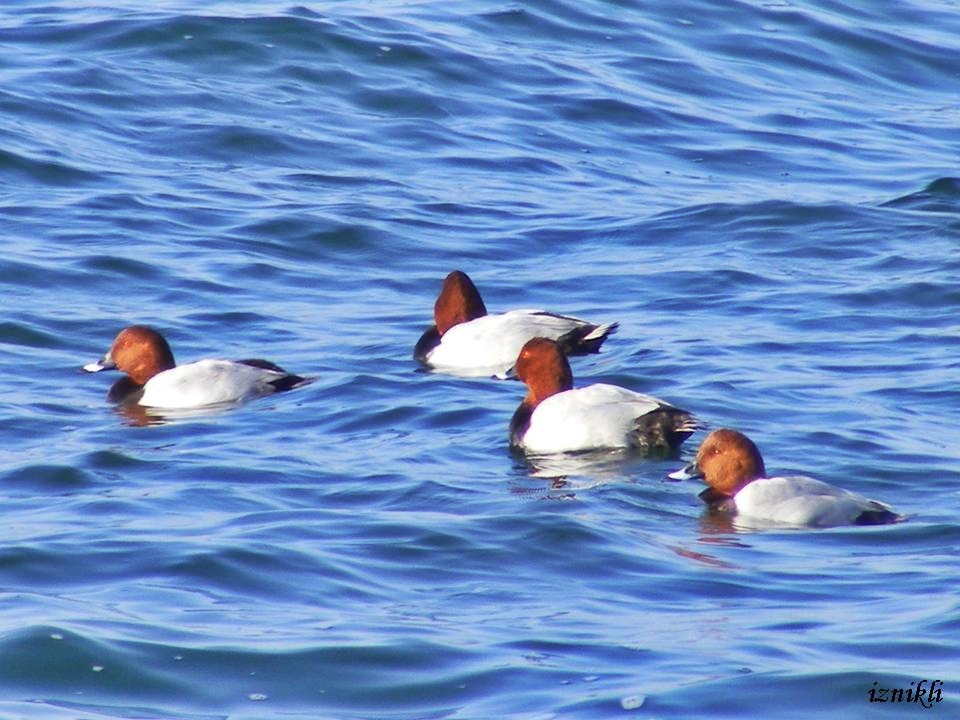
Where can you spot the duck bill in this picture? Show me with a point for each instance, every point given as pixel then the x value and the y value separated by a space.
pixel 688 472
pixel 106 364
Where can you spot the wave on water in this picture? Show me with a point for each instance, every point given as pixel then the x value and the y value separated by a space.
pixel 940 196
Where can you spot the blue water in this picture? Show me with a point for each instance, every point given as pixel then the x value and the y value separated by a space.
pixel 762 194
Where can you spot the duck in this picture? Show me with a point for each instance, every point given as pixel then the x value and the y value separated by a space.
pixel 731 465
pixel 555 417
pixel 153 379
pixel 466 340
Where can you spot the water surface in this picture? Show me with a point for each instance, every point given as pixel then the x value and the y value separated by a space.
pixel 763 195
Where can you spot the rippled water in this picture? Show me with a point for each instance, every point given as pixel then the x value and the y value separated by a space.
pixel 762 194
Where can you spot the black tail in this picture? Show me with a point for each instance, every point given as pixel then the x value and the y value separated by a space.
pixel 878 515
pixel 287 381
pixel 586 339
pixel 664 428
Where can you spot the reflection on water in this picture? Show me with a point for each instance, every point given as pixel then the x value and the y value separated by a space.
pixel 603 464
pixel 140 416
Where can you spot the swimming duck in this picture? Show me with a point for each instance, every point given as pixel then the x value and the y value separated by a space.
pixel 554 417
pixel 153 379
pixel 731 465
pixel 466 340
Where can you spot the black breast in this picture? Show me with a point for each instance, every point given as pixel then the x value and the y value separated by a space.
pixel 427 342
